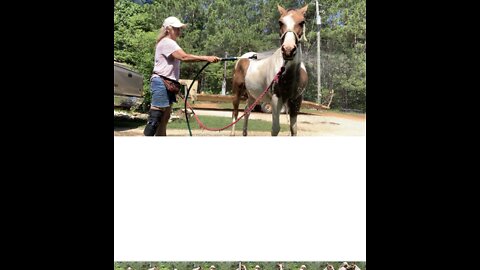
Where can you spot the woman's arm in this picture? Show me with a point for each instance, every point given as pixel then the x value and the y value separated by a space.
pixel 185 57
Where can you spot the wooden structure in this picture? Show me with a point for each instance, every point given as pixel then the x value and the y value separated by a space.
pixel 221 98
pixel 193 92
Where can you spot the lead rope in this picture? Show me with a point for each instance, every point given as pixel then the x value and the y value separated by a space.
pixel 186 97
pixel 254 56
pixel 247 110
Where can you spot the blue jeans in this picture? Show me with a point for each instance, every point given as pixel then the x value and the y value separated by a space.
pixel 160 96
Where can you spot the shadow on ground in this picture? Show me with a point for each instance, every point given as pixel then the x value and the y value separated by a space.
pixel 121 123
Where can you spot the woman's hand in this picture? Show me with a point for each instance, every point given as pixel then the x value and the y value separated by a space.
pixel 212 59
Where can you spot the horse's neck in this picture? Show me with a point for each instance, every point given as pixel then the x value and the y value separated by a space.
pixel 274 62
pixel 295 63
pixel 263 71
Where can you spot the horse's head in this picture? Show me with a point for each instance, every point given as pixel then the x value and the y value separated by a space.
pixel 292 28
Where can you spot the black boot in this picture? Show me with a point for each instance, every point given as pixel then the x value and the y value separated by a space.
pixel 154 117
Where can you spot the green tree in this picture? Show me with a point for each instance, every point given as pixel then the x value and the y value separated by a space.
pixel 344 52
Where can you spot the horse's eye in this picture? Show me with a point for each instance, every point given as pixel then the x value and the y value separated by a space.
pixel 302 23
pixel 280 23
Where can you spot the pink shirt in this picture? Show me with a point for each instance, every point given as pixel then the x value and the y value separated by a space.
pixel 165 64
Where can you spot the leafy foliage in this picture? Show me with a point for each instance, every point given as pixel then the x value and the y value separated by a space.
pixel 228 265
pixel 238 26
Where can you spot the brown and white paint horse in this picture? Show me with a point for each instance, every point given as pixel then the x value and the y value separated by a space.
pixel 253 76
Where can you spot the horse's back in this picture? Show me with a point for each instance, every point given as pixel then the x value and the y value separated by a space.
pixel 248 55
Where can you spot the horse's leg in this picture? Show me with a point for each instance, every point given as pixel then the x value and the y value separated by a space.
pixel 235 102
pixel 250 101
pixel 294 108
pixel 277 104
pixel 295 104
pixel 238 87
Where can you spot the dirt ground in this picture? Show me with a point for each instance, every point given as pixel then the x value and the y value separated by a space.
pixel 322 123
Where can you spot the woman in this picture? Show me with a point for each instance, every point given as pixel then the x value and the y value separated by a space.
pixel 167 66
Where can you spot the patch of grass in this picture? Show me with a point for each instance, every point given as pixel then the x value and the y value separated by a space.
pixel 209 121
pixel 309 110
pixel 121 110
pixel 218 105
pixel 219 122
pixel 340 111
pixel 228 105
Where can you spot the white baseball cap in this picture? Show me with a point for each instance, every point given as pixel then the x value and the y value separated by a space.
pixel 173 21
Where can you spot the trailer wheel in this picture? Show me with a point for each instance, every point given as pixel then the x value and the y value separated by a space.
pixel 266 107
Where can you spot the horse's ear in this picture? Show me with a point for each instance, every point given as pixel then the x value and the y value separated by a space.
pixel 281 10
pixel 304 9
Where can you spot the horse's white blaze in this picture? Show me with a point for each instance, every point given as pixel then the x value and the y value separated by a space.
pixel 289 41
pixel 289 22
